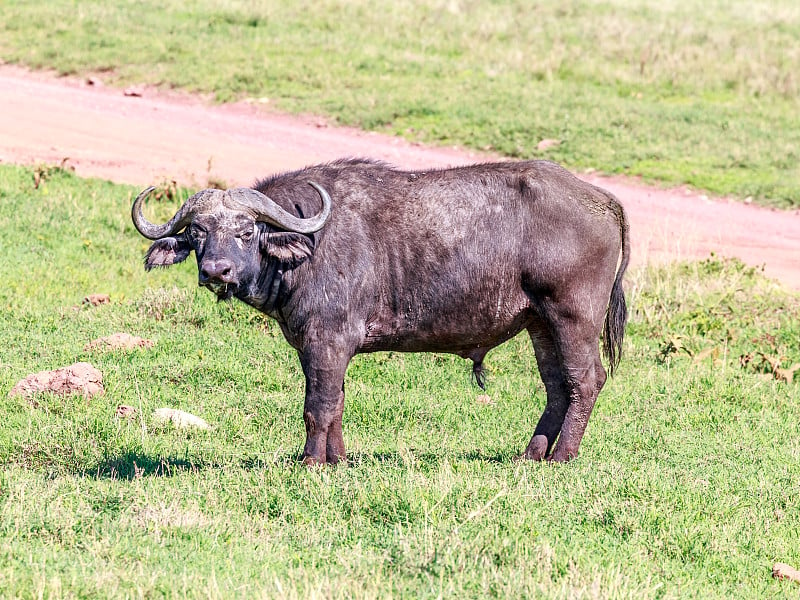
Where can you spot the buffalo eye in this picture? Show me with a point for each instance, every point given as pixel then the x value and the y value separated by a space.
pixel 198 234
pixel 246 235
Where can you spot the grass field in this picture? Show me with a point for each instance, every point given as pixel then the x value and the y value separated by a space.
pixel 703 92
pixel 686 486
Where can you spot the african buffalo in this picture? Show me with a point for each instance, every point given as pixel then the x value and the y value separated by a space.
pixel 356 256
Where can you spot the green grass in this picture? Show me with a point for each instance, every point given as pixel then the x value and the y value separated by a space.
pixel 686 486
pixel 678 91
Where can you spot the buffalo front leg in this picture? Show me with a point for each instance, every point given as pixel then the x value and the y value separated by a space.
pixel 324 369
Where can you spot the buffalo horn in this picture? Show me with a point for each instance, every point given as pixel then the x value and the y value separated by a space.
pixel 268 211
pixel 181 219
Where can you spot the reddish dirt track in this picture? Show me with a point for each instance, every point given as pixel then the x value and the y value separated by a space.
pixel 164 136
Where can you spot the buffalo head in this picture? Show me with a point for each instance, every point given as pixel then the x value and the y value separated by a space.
pixel 236 235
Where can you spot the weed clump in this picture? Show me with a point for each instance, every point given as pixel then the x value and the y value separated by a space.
pixel 717 309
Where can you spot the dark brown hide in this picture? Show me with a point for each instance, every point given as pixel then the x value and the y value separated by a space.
pixel 456 260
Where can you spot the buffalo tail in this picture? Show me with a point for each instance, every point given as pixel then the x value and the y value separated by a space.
pixel 617 314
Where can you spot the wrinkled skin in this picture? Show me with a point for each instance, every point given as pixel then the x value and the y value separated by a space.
pixel 457 260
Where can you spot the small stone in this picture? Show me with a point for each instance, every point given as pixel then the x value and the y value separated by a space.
pixel 125 412
pixel 547 143
pixel 784 571
pixel 97 299
pixel 180 418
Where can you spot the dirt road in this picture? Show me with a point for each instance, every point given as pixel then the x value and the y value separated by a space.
pixel 161 136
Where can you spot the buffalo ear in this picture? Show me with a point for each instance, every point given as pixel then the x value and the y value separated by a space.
pixel 166 251
pixel 291 249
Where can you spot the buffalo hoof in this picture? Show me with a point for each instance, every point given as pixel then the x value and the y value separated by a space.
pixel 536 450
pixel 562 454
pixel 312 461
pixel 337 460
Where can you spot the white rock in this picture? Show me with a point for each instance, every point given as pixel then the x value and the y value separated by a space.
pixel 180 418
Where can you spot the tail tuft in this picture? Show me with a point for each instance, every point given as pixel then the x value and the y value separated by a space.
pixel 617 314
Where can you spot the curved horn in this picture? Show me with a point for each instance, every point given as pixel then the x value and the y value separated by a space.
pixel 181 219
pixel 268 211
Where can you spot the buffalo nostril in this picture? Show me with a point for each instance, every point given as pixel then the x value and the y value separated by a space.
pixel 218 271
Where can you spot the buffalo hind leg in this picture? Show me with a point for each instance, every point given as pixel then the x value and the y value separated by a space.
pixel 555 411
pixel 324 405
pixel 584 377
